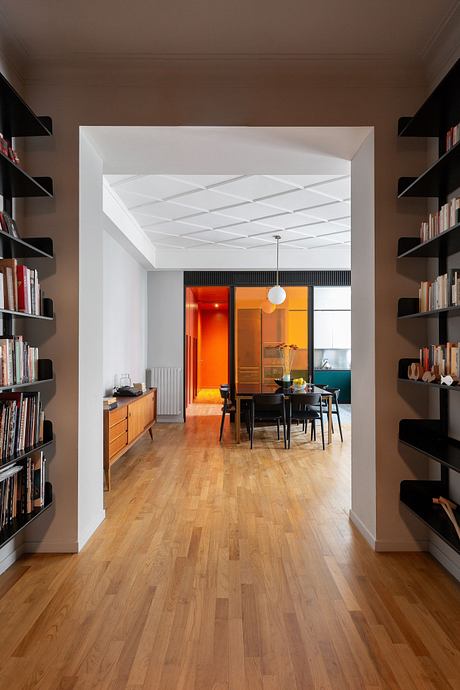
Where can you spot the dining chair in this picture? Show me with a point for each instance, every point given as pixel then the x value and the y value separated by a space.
pixel 267 408
pixel 335 392
pixel 227 408
pixel 305 407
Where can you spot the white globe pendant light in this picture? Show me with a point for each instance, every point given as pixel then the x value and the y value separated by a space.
pixel 276 294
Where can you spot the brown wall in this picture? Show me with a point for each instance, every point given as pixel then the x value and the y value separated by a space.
pixel 337 94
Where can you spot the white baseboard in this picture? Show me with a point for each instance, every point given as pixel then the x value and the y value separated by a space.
pixel 170 419
pixel 8 560
pixel 412 546
pixel 46 546
pixel 361 527
pixel 89 531
pixel 441 554
pixel 380 545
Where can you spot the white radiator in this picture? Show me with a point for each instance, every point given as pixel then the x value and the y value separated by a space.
pixel 168 382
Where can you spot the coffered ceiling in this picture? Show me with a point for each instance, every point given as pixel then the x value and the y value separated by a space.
pixel 243 212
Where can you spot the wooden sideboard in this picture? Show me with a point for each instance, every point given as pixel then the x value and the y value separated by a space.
pixel 124 425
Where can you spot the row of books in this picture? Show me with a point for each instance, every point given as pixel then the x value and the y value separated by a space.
pixel 18 361
pixel 22 488
pixel 441 293
pixel 20 289
pixel 442 220
pixel 452 136
pixel 21 423
pixel 441 359
pixel 8 150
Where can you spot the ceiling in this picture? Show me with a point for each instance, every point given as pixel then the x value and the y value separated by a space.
pixel 244 212
pixel 210 295
pixel 51 29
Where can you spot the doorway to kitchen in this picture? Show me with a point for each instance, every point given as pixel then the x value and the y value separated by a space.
pixel 206 348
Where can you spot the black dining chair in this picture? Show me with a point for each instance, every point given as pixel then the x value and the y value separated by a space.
pixel 267 408
pixel 335 392
pixel 227 408
pixel 304 408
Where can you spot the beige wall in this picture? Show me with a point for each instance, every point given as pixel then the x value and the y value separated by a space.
pixel 342 94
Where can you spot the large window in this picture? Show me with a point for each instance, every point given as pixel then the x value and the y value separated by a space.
pixel 260 328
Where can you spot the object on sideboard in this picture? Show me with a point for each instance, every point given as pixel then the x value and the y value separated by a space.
pixel 110 403
pixel 127 392
pixel 140 387
pixel 125 380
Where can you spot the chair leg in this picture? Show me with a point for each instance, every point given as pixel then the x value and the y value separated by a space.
pixel 338 419
pixel 251 435
pixel 222 421
pixel 322 429
pixel 278 428
pixel 285 435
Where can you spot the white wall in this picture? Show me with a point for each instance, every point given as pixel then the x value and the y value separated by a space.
pixel 124 314
pixel 363 446
pixel 90 442
pixel 165 335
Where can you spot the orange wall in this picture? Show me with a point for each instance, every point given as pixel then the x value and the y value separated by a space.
pixel 212 348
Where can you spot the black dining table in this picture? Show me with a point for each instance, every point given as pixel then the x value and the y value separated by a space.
pixel 245 391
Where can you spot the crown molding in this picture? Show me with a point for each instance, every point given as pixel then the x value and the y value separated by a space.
pixel 444 48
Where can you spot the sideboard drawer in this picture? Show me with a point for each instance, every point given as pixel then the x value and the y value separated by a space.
pixel 117 415
pixel 117 429
pixel 118 444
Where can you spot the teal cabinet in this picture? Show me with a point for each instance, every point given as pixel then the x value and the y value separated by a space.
pixel 337 378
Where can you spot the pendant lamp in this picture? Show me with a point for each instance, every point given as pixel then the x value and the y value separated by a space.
pixel 276 294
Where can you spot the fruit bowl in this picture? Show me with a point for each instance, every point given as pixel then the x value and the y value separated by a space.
pixel 299 386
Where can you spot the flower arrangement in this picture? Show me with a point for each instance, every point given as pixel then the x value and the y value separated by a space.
pixel 288 353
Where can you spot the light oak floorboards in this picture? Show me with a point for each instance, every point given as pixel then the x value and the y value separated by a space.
pixel 220 568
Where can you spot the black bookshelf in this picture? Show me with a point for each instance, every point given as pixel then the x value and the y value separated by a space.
pixel 48 439
pixel 48 313
pixel 426 436
pixel 33 247
pixel 418 496
pixel 19 523
pixel 45 375
pixel 431 437
pixel 438 113
pixel 446 243
pixel 441 178
pixel 408 309
pixel 17 120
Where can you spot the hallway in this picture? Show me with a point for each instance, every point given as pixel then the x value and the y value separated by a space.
pixel 219 568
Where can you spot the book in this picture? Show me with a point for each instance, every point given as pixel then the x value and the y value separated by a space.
pixel 9 269
pixel 21 422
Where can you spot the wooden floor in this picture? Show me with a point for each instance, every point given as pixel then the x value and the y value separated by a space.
pixel 222 568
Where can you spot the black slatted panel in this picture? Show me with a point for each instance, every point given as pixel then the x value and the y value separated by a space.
pixel 267 278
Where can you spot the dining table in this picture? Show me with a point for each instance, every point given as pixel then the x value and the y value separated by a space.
pixel 245 391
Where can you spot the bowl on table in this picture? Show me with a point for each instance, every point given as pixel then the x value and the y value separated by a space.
pixel 282 383
pixel 299 387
